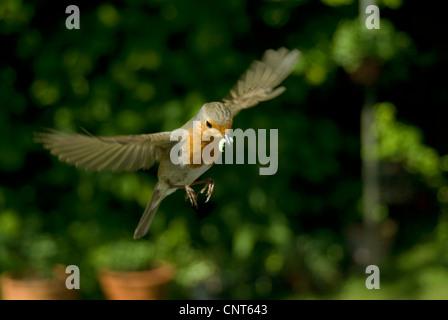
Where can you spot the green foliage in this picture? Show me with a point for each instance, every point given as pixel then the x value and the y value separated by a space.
pixel 400 142
pixel 174 246
pixel 26 250
pixel 124 255
pixel 352 44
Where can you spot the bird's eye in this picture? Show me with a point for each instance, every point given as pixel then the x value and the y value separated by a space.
pixel 208 124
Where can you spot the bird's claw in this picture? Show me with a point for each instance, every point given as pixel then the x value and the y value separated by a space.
pixel 189 194
pixel 210 185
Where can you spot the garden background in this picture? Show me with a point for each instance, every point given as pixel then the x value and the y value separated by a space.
pixel 362 145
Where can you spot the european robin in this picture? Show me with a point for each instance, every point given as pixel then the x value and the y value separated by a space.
pixel 134 152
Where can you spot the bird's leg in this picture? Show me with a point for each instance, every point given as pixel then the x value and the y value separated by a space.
pixel 189 194
pixel 209 183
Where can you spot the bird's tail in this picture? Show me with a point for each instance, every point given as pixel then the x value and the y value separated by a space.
pixel 151 208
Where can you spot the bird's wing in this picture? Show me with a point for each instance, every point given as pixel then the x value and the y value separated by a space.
pixel 119 153
pixel 259 82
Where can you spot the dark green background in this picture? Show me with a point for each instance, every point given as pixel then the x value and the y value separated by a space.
pixel 147 66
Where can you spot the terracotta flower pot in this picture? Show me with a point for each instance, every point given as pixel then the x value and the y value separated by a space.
pixel 14 287
pixel 149 284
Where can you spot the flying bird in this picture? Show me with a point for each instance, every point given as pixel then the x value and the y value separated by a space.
pixel 134 152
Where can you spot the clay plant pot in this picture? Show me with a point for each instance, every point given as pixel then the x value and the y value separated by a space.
pixel 149 284
pixel 15 287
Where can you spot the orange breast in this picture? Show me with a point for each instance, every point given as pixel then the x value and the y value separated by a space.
pixel 197 136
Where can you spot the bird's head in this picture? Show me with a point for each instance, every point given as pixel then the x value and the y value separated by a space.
pixel 215 115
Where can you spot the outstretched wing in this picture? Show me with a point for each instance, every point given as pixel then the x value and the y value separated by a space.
pixel 259 81
pixel 119 153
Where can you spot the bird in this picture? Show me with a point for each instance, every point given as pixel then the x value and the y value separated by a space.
pixel 260 82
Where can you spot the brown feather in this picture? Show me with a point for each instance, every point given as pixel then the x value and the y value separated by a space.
pixel 120 153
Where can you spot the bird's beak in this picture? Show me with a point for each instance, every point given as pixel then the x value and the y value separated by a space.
pixel 226 140
pixel 229 139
